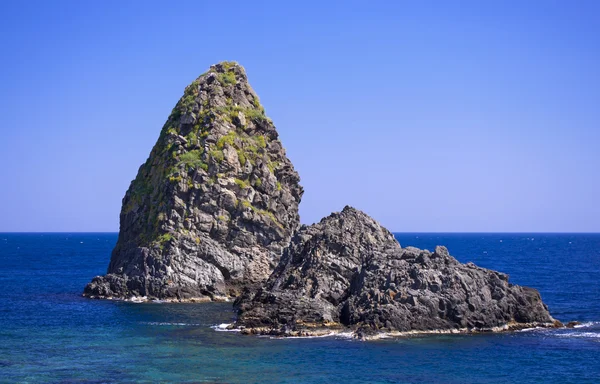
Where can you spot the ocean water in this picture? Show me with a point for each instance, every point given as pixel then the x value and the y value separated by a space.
pixel 49 333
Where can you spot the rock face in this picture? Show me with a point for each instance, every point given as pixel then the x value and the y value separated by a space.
pixel 348 271
pixel 214 205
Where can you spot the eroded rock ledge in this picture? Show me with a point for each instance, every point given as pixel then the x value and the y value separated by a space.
pixel 347 272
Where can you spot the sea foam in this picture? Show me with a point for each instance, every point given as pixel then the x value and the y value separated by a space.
pixel 224 327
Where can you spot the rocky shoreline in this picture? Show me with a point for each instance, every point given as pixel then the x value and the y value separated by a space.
pixel 146 299
pixel 338 329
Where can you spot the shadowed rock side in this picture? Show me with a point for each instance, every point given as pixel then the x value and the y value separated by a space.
pixel 348 271
pixel 214 205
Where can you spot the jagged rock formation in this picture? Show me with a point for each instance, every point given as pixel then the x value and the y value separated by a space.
pixel 214 205
pixel 348 271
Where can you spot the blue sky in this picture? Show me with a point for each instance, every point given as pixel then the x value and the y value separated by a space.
pixel 429 116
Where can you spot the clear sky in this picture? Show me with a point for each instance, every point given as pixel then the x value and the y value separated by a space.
pixel 429 116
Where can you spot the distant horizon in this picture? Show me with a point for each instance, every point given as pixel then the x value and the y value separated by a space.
pixel 393 232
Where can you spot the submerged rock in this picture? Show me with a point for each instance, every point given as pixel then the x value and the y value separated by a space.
pixel 347 271
pixel 214 205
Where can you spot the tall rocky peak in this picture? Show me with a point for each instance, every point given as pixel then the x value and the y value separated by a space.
pixel 213 206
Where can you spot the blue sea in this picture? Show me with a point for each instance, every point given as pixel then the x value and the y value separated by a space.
pixel 50 334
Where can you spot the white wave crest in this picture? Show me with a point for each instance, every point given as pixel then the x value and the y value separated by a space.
pixel 171 324
pixel 587 324
pixel 137 299
pixel 224 327
pixel 305 337
pixel 337 335
pixel 585 335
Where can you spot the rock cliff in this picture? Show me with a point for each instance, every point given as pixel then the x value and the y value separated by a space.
pixel 349 272
pixel 212 208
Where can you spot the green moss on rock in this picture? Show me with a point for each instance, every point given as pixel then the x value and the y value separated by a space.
pixel 193 159
pixel 217 155
pixel 241 183
pixel 186 179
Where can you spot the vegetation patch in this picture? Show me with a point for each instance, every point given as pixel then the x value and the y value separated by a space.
pixel 273 165
pixel 175 113
pixel 226 78
pixel 217 155
pixel 241 157
pixel 193 159
pixel 241 183
pixel 230 113
pixel 229 64
pixel 263 212
pixel 256 103
pixel 260 141
pixel 227 139
pixel 163 239
pixel 188 103
pixel 271 216
pixel 175 179
pixel 248 148
pixel 139 188
pixel 192 139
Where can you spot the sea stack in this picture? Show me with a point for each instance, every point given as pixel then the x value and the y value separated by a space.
pixel 213 214
pixel 213 206
pixel 347 272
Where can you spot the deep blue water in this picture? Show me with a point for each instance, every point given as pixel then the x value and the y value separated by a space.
pixel 49 333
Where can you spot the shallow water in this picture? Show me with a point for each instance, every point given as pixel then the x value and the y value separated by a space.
pixel 49 333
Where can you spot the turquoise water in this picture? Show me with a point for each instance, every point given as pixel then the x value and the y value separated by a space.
pixel 49 333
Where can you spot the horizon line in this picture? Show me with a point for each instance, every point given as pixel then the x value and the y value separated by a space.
pixel 394 232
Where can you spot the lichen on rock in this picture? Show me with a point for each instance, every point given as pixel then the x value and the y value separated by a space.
pixel 213 206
